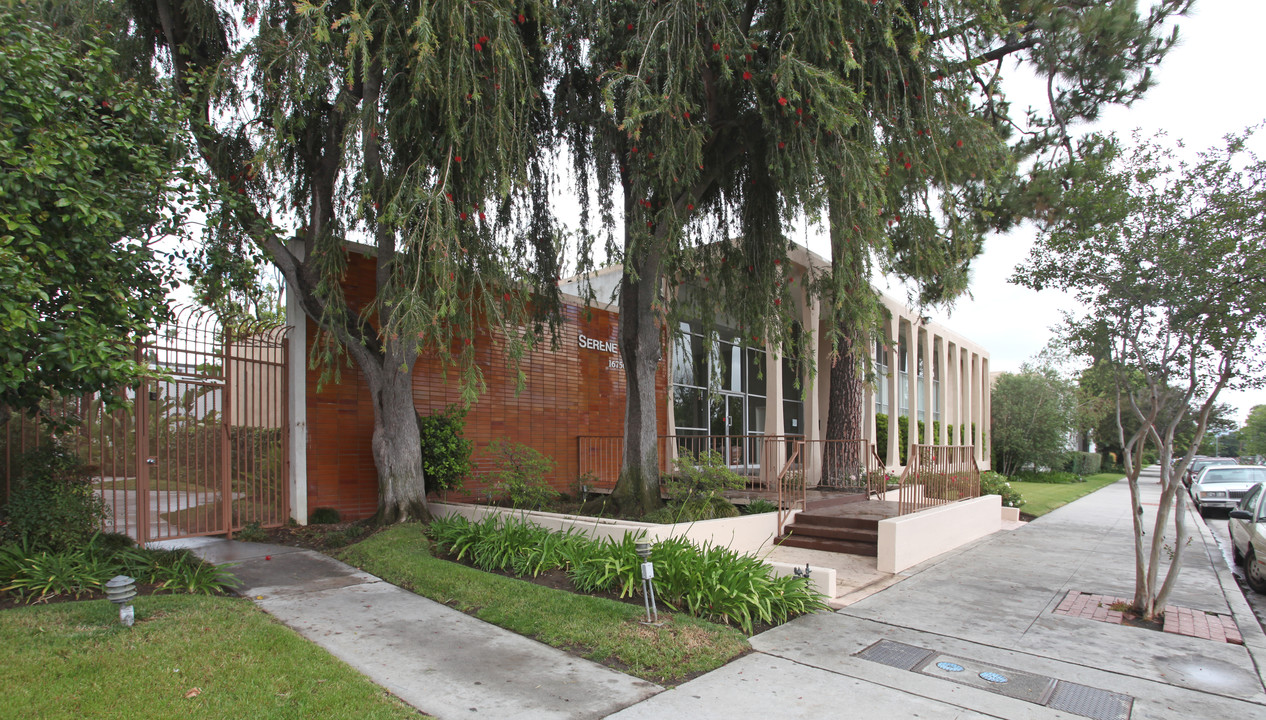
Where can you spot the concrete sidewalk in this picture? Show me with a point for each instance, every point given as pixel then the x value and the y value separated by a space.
pixel 990 605
pixel 439 660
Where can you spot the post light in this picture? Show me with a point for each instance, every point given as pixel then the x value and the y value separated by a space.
pixel 120 590
pixel 648 588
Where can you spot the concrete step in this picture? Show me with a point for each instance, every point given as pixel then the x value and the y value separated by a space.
pixel 812 518
pixel 849 547
pixel 803 529
pixel 835 501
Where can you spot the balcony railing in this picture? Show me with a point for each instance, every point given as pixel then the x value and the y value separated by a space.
pixel 938 475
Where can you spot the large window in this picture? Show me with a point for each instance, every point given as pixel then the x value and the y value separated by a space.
pixel 718 389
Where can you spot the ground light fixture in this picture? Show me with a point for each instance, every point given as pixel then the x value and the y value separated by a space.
pixel 648 587
pixel 120 590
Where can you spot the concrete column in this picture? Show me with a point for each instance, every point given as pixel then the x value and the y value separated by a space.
pixel 957 416
pixel 773 413
pixel 814 411
pixel 912 385
pixel 297 377
pixel 942 354
pixel 977 404
pixel 892 328
pixel 986 404
pixel 968 405
pixel 928 401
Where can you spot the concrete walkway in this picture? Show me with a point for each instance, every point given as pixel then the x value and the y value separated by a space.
pixel 990 604
pixel 987 605
pixel 433 657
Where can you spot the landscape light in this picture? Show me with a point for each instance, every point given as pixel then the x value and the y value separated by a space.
pixel 120 591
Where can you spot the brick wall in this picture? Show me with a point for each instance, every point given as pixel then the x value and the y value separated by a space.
pixel 568 392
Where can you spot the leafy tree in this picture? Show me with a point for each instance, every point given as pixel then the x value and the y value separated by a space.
pixel 1032 416
pixel 410 128
pixel 926 171
pixel 1253 436
pixel 1225 443
pixel 1169 259
pixel 88 168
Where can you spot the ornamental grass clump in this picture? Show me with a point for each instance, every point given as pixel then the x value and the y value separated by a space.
pixel 710 582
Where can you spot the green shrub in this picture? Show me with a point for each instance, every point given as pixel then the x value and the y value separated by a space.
pixel 708 582
pixel 37 575
pixel 445 453
pixel 324 516
pixel 758 506
pixel 1048 476
pixel 252 532
pixel 991 483
pixel 52 506
pixel 1084 463
pixel 519 475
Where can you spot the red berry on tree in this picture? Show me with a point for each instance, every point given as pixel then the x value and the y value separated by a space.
pixel 907 166
pixel 522 19
pixel 478 47
pixel 463 216
pixel 690 206
pixel 483 38
pixel 747 75
pixel 781 145
pixel 250 21
pixel 958 143
pixel 629 26
pixel 716 46
pixel 782 101
pixel 458 158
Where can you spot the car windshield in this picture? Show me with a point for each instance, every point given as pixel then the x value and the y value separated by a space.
pixel 1234 475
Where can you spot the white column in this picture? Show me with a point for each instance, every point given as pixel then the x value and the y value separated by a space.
pixel 986 404
pixel 942 354
pixel 977 404
pixel 298 400
pixel 813 410
pixel 968 405
pixel 912 385
pixel 928 401
pixel 892 328
pixel 773 413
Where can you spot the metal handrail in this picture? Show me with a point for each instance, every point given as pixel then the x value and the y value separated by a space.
pixel 784 503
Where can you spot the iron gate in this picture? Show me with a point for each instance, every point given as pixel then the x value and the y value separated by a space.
pixel 199 448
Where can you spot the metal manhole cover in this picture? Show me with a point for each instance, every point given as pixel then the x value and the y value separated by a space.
pixel 1003 681
pixel 895 654
pixel 1091 702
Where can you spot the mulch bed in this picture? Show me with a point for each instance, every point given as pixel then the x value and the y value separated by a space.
pixel 8 601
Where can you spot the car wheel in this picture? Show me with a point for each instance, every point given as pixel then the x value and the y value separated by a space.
pixel 1254 574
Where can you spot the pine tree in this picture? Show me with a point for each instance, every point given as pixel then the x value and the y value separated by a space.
pixel 412 127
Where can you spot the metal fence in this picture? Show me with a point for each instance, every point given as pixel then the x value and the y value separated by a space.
pixel 199 448
pixel 756 458
pixel 938 475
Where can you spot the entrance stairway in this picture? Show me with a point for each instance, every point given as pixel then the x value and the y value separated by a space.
pixel 843 525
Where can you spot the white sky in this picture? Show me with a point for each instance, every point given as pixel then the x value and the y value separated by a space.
pixel 1207 87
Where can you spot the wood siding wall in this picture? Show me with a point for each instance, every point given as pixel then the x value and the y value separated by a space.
pixel 568 392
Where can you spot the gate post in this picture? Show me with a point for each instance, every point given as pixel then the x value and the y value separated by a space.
pixel 140 413
pixel 226 454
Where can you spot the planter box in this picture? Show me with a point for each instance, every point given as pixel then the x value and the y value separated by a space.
pixel 908 540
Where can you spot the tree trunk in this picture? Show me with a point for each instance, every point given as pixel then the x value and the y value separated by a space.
pixel 847 395
pixel 637 490
pixel 397 446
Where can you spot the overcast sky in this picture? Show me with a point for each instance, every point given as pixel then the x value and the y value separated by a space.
pixel 1207 87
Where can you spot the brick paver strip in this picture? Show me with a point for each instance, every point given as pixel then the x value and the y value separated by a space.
pixel 1178 620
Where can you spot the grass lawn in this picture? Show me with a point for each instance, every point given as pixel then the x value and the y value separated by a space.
pixel 1041 498
pixel 602 630
pixel 188 656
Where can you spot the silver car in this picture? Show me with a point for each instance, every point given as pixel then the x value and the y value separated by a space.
pixel 1223 486
pixel 1247 525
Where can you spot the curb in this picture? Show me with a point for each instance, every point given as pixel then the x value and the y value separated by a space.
pixel 1250 629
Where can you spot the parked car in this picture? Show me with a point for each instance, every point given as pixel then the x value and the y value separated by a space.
pixel 1200 463
pixel 1223 486
pixel 1248 536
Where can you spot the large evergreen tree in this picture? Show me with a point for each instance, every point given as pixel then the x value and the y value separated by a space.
pixel 930 76
pixel 412 128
